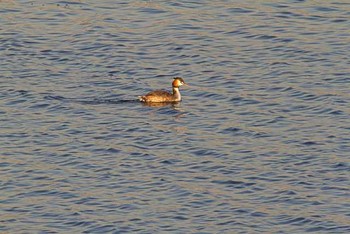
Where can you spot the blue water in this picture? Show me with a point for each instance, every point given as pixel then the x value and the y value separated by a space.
pixel 259 144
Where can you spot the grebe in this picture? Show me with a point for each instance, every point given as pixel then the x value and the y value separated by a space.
pixel 164 96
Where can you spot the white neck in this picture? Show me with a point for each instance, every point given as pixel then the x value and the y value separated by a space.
pixel 177 94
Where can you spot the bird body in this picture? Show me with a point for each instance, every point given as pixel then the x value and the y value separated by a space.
pixel 164 96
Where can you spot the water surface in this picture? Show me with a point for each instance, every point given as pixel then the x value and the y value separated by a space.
pixel 260 143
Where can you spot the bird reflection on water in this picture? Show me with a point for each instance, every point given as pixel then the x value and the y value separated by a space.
pixel 175 105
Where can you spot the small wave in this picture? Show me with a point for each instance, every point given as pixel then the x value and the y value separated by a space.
pixel 90 101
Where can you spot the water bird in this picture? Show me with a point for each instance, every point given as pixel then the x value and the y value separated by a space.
pixel 161 96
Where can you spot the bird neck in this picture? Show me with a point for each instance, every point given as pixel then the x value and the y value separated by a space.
pixel 177 94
